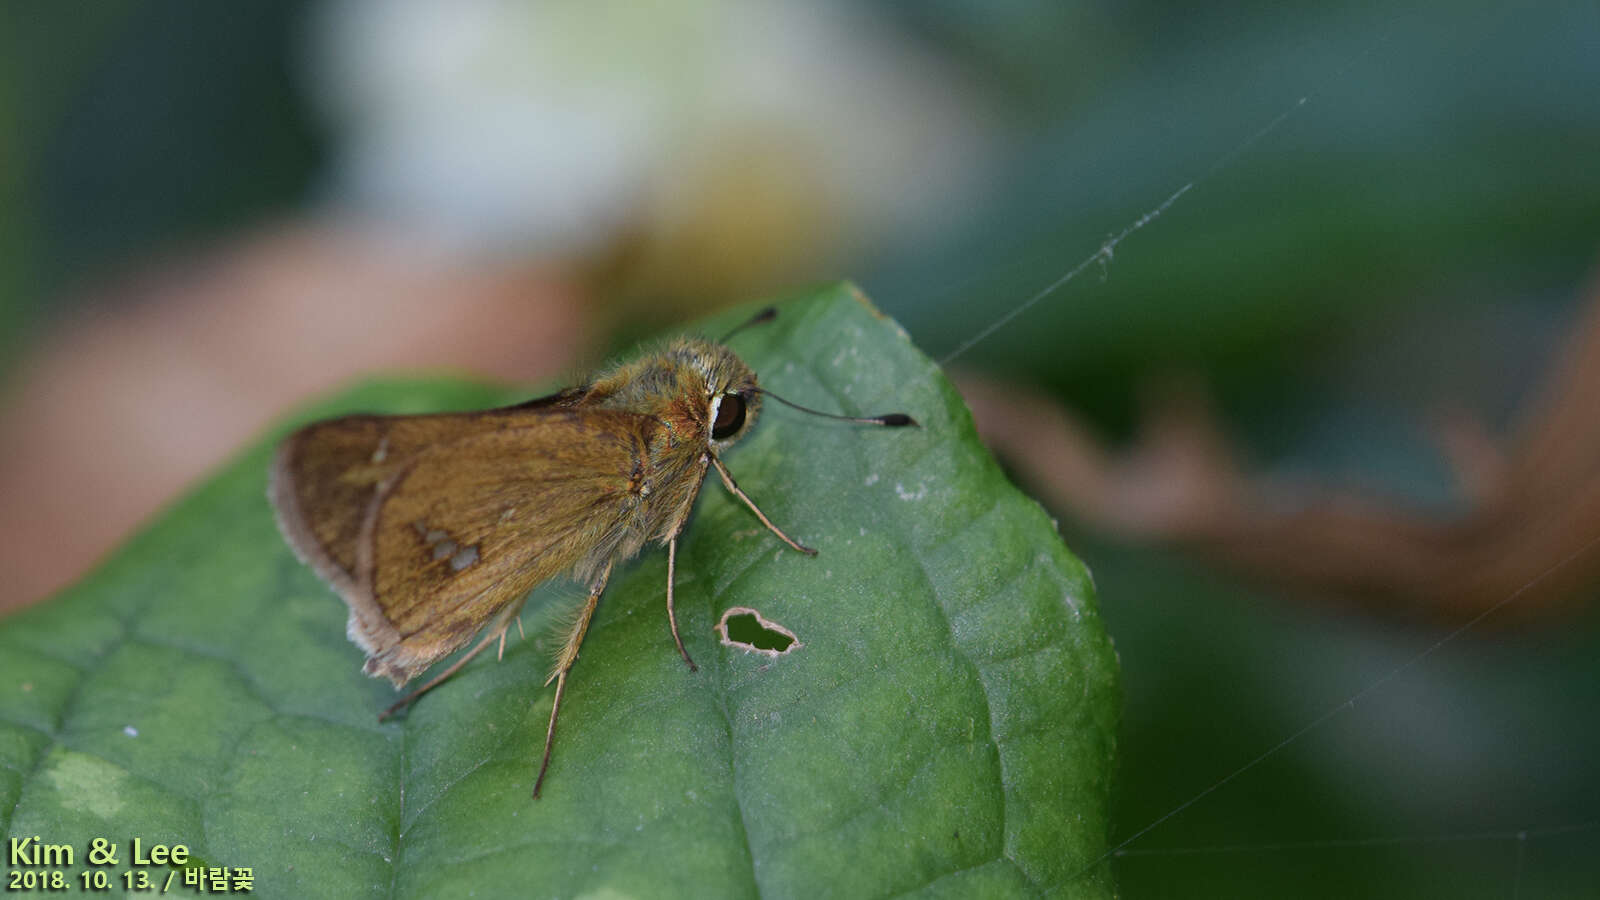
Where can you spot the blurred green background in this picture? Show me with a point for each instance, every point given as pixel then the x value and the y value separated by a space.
pixel 1416 236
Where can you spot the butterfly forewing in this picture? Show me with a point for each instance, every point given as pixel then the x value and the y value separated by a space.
pixel 467 511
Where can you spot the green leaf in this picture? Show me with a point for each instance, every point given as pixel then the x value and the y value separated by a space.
pixel 945 726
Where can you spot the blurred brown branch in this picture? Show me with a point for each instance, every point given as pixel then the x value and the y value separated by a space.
pixel 1530 527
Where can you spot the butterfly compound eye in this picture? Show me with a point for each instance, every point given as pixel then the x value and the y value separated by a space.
pixel 730 417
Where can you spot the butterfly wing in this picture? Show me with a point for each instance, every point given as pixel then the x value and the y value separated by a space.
pixel 428 526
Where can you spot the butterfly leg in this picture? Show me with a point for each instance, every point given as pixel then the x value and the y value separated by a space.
pixel 727 480
pixel 564 662
pixel 672 616
pixel 496 631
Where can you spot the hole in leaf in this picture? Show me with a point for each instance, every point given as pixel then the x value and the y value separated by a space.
pixel 752 632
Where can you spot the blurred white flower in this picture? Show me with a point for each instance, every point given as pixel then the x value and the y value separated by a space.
pixel 714 127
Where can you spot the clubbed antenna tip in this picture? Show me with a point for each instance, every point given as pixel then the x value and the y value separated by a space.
pixel 891 420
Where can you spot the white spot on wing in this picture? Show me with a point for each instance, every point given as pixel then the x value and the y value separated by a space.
pixel 464 557
pixel 441 546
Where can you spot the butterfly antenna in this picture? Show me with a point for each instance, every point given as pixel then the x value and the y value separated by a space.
pixel 891 420
pixel 760 318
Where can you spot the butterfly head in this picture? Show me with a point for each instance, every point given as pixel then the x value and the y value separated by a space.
pixel 731 396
